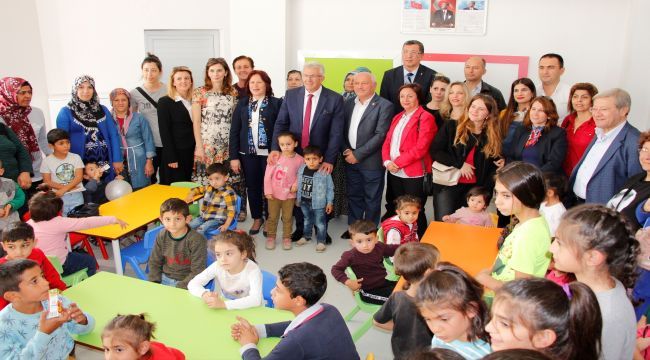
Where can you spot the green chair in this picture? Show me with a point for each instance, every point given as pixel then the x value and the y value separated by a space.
pixel 69 280
pixel 390 268
pixel 195 211
pixel 370 309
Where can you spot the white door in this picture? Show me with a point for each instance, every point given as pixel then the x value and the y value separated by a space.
pixel 191 48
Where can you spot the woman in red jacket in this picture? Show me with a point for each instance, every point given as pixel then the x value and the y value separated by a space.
pixel 405 152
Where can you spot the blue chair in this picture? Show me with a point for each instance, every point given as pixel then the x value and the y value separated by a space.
pixel 233 225
pixel 268 283
pixel 138 253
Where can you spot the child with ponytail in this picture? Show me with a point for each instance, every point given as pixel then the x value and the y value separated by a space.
pixel 538 314
pixel 128 337
pixel 597 245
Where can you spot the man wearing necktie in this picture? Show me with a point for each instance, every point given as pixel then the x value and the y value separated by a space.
pixel 411 71
pixel 443 17
pixel 315 115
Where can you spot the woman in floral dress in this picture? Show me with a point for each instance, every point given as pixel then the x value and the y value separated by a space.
pixel 212 108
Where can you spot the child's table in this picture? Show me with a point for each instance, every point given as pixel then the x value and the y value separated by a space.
pixel 182 320
pixel 137 209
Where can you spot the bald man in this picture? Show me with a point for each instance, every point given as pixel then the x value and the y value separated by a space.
pixel 474 71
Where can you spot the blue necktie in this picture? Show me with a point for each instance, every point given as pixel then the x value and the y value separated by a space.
pixel 409 76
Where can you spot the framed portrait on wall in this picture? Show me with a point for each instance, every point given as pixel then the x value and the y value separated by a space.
pixel 454 17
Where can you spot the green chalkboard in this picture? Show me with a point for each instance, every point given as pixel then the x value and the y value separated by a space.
pixel 337 68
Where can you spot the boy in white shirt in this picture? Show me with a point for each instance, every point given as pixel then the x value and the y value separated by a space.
pixel 63 171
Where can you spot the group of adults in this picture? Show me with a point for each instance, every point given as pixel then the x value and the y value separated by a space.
pixel 169 133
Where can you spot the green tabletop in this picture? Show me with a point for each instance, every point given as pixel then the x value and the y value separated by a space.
pixel 182 320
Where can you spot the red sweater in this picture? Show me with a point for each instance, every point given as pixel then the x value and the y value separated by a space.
pixel 49 272
pixel 158 351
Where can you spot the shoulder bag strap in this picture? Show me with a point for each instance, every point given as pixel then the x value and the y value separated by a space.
pixel 146 96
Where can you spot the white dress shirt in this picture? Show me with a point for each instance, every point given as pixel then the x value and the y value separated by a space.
pixel 414 72
pixel 186 103
pixel 255 123
pixel 314 103
pixel 355 119
pixel 592 158
pixel 560 97
pixel 396 141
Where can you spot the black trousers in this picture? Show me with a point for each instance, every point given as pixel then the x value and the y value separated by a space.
pixel 156 164
pixel 396 187
pixel 254 167
pixel 448 199
pixel 183 172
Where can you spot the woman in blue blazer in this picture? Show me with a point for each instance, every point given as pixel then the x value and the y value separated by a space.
pixel 251 135
pixel 93 135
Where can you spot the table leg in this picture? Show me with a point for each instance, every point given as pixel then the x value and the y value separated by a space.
pixel 117 255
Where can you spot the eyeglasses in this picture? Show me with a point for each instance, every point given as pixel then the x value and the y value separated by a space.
pixel 312 76
pixel 644 150
pixel 594 110
pixel 411 53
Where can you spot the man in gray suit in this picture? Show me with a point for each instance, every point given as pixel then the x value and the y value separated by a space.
pixel 367 119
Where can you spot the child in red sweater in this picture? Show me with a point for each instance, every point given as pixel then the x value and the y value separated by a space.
pixel 129 337
pixel 18 242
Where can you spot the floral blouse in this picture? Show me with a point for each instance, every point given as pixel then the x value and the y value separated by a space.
pixel 216 116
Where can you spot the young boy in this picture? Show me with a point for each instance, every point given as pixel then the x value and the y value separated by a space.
pixel 315 197
pixel 318 330
pixel 12 198
pixel 63 171
pixel 179 253
pixel 95 187
pixel 367 262
pixel 18 242
pixel 413 261
pixel 552 208
pixel 218 203
pixel 26 331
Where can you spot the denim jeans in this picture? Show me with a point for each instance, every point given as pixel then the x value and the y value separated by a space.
pixel 166 280
pixel 76 261
pixel 314 217
pixel 71 200
pixel 203 226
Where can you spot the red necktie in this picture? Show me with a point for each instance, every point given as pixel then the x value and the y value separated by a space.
pixel 304 141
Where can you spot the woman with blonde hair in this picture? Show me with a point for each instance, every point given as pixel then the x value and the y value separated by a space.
pixel 456 100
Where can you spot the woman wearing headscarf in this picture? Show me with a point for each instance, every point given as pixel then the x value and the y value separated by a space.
pixel 28 125
pixel 93 134
pixel 137 142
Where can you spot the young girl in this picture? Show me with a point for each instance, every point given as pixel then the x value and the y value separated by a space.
pixel 280 187
pixel 552 208
pixel 236 275
pixel 478 199
pixel 51 229
pixel 128 337
pixel 403 227
pixel 598 245
pixel 523 246
pixel 540 315
pixel 450 302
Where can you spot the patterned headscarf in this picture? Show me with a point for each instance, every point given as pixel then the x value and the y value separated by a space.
pixel 129 114
pixel 86 112
pixel 15 115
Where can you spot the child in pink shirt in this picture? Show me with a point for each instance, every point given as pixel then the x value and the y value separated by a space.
pixel 280 188
pixel 478 199
pixel 51 229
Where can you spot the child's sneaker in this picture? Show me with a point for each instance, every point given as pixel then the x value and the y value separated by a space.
pixel 270 243
pixel 320 247
pixel 286 243
pixel 302 241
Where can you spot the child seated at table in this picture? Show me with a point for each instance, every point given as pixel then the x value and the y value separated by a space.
pixel 51 229
pixel 18 242
pixel 236 275
pixel 63 171
pixel 12 198
pixel 218 203
pixel 95 187
pixel 403 227
pixel 317 332
pixel 129 337
pixel 366 258
pixel 413 261
pixel 475 213
pixel 27 332
pixel 179 253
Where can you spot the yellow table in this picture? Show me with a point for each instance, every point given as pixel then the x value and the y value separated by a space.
pixel 182 320
pixel 137 209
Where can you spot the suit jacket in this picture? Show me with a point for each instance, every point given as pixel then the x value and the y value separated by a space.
pixel 496 94
pixel 239 126
pixel 414 155
pixel 324 337
pixel 551 148
pixel 371 132
pixel 437 19
pixel 394 79
pixel 326 125
pixel 620 162
pixel 175 124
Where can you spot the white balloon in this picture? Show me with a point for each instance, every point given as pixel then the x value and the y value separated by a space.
pixel 117 188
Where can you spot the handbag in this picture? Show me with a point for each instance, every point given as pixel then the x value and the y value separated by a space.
pixel 442 174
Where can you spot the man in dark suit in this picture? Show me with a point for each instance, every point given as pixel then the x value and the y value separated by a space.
pixel 315 115
pixel 367 119
pixel 612 156
pixel 412 71
pixel 474 71
pixel 443 17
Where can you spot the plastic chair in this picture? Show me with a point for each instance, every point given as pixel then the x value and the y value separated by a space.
pixel 390 268
pixel 139 252
pixel 194 207
pixel 268 283
pixel 233 224
pixel 69 280
pixel 367 308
